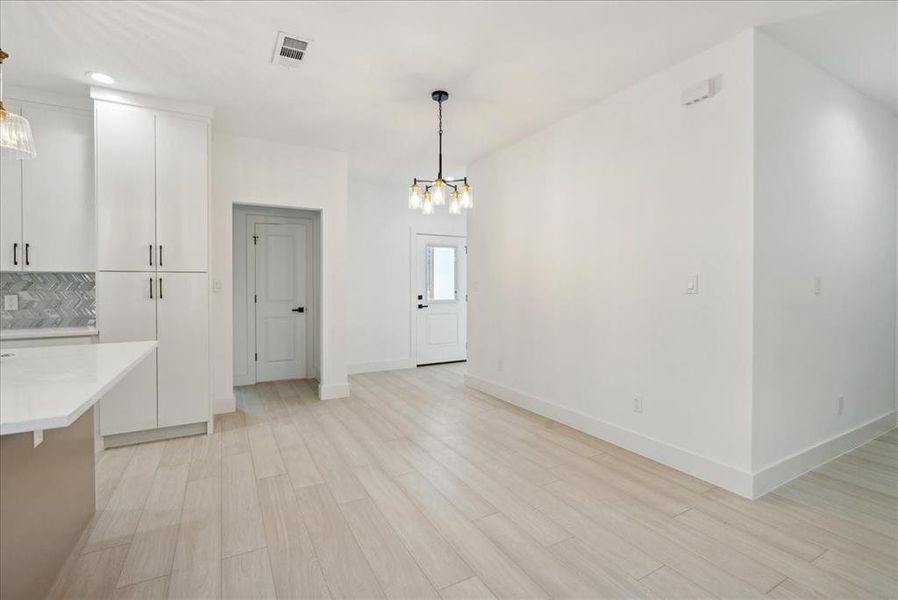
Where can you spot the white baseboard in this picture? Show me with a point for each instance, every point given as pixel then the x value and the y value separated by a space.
pixel 382 365
pixel 720 474
pixel 244 379
pixel 772 476
pixel 333 391
pixel 224 405
pixel 154 435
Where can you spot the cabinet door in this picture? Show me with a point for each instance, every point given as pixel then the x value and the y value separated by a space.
pixel 126 312
pixel 182 193
pixel 11 207
pixel 126 187
pixel 183 322
pixel 59 223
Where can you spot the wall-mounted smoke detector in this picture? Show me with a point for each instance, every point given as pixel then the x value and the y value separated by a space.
pixel 289 50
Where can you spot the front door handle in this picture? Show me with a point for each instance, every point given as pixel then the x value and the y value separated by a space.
pixel 299 309
pixel 420 306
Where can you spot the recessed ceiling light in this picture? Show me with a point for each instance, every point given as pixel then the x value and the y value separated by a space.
pixel 101 77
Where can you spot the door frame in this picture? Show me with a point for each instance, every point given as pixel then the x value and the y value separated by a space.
pixel 245 219
pixel 413 292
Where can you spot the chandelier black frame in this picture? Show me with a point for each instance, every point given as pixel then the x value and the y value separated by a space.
pixel 434 192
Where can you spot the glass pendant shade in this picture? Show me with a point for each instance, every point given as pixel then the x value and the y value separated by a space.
pixel 439 193
pixel 414 197
pixel 467 197
pixel 427 207
pixel 454 204
pixel 15 130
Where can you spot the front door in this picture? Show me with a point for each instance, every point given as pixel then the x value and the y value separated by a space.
pixel 441 298
pixel 281 284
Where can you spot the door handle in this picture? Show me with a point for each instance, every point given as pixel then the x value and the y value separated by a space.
pixel 15 253
pixel 151 255
pixel 420 306
pixel 160 255
pixel 299 309
pixel 160 288
pixel 27 258
pixel 151 288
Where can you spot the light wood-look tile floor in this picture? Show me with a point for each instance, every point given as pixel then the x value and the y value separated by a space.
pixel 417 487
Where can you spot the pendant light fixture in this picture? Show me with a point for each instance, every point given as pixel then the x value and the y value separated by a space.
pixel 15 130
pixel 438 192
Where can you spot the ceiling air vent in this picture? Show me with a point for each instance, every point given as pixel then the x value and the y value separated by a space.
pixel 289 50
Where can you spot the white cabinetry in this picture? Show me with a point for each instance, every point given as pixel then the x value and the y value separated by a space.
pixel 126 312
pixel 183 348
pixel 153 216
pixel 171 308
pixel 47 202
pixel 126 187
pixel 182 186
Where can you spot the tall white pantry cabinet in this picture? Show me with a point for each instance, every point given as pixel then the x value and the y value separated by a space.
pixel 152 186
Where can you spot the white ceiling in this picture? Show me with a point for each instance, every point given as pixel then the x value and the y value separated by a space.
pixel 511 67
pixel 858 44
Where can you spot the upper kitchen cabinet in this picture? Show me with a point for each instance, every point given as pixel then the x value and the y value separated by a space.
pixel 126 187
pixel 59 222
pixel 182 192
pixel 152 189
pixel 47 202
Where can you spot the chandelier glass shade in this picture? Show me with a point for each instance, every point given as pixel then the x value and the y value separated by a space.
pixel 15 130
pixel 426 194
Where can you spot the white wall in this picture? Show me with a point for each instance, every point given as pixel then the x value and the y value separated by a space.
pixel 824 207
pixel 264 173
pixel 579 249
pixel 380 295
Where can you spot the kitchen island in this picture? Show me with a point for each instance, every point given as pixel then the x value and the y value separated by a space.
pixel 47 494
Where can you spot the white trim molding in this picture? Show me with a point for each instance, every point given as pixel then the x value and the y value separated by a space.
pixel 333 391
pixel 382 365
pixel 729 477
pixel 776 474
pixel 154 102
pixel 739 481
pixel 224 405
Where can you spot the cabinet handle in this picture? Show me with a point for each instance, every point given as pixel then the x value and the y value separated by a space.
pixel 27 259
pixel 15 253
pixel 151 288
pixel 160 288
pixel 160 255
pixel 151 255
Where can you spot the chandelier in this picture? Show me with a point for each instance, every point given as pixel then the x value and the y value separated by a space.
pixel 15 131
pixel 436 190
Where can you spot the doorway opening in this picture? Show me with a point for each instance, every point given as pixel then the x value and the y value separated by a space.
pixel 277 272
pixel 441 298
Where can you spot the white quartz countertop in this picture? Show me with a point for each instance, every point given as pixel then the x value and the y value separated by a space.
pixel 47 332
pixel 49 387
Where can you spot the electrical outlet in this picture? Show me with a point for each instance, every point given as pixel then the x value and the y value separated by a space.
pixel 216 285
pixel 11 302
pixel 692 284
pixel 637 404
pixel 840 406
pixel 818 286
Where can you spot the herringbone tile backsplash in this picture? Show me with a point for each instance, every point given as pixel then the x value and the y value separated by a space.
pixel 49 300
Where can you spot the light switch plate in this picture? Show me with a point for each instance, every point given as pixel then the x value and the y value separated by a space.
pixel 692 284
pixel 11 302
pixel 216 285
